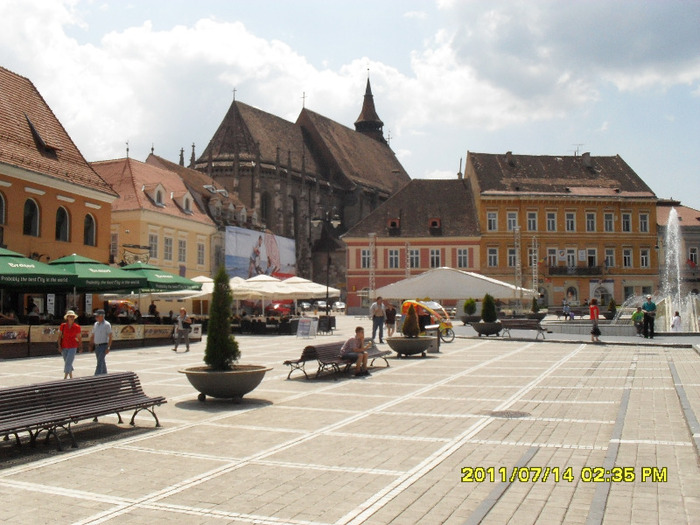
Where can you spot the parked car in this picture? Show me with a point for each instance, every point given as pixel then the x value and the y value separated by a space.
pixel 304 306
pixel 279 308
pixel 339 306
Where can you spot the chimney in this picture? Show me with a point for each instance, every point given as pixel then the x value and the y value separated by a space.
pixel 182 157
pixel 509 158
pixel 459 173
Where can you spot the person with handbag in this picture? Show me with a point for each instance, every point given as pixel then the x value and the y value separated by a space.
pixel 595 316
pixel 183 324
pixel 69 342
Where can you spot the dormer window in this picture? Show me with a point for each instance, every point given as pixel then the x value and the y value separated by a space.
pixel 155 192
pixel 393 226
pixel 159 198
pixel 242 216
pixel 435 226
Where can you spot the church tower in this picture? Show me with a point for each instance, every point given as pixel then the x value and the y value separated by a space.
pixel 369 123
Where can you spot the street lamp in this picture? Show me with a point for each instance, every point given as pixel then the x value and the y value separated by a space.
pixel 331 218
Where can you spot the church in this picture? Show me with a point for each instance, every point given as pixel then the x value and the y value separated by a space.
pixel 287 174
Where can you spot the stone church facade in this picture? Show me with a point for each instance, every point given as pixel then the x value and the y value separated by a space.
pixel 287 173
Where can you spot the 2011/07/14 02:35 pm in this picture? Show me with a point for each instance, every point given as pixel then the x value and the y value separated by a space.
pixel 544 474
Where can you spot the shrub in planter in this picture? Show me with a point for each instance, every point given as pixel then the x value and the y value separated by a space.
pixel 411 328
pixel 535 305
pixel 488 310
pixel 469 306
pixel 612 307
pixel 222 350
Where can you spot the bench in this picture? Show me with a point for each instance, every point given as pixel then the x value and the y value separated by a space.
pixel 59 404
pixel 327 356
pixel 522 324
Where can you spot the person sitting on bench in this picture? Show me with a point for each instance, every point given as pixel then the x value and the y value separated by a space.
pixel 356 349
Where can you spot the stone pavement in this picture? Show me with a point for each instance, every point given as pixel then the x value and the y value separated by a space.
pixel 465 436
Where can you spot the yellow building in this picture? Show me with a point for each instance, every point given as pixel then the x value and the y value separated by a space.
pixel 156 219
pixel 52 203
pixel 572 227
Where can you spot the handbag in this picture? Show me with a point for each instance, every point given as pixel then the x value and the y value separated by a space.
pixel 595 331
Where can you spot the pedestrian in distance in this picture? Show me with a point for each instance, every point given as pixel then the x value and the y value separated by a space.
pixel 69 342
pixel 183 324
pixel 676 323
pixel 649 309
pixel 377 313
pixel 390 313
pixel 595 317
pixel 101 341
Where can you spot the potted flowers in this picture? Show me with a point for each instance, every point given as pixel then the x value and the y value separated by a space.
pixel 222 377
pixel 489 324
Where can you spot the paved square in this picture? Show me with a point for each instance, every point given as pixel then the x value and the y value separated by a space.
pixel 390 448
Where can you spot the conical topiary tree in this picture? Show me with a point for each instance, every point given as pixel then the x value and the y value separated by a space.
pixel 470 306
pixel 488 310
pixel 535 305
pixel 222 350
pixel 411 328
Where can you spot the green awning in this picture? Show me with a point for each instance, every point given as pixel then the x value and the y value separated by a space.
pixel 22 273
pixel 93 276
pixel 160 280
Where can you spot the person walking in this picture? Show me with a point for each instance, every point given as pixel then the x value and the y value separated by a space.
pixel 649 309
pixel 182 329
pixel 69 342
pixel 390 313
pixel 377 313
pixel 101 341
pixel 595 316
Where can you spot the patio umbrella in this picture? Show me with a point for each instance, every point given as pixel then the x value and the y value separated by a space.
pixel 160 280
pixel 93 276
pixel 20 272
pixel 301 288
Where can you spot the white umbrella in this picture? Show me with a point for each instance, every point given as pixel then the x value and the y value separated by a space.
pixel 305 289
pixel 449 283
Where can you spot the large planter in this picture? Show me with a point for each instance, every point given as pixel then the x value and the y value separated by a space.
pixel 487 329
pixel 466 319
pixel 225 384
pixel 410 345
pixel 536 315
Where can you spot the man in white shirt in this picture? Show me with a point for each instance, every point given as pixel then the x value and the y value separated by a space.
pixel 378 316
pixel 182 329
pixel 101 341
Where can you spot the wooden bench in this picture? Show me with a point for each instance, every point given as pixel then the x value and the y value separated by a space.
pixel 59 404
pixel 522 324
pixel 327 355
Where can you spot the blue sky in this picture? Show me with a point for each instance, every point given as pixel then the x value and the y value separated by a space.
pixel 533 77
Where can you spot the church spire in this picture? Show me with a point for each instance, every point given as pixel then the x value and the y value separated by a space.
pixel 369 122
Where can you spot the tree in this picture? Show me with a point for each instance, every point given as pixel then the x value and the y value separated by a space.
pixel 411 328
pixel 470 306
pixel 488 310
pixel 612 307
pixel 535 305
pixel 222 349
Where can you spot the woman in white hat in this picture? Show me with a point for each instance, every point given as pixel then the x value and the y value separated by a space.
pixel 69 342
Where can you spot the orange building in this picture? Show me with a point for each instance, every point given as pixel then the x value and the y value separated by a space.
pixel 572 227
pixel 52 203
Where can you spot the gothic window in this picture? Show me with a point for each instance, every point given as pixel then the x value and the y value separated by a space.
pixel 62 225
pixel 31 218
pixel 89 231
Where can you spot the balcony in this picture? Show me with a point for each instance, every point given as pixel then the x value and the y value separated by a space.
pixel 575 270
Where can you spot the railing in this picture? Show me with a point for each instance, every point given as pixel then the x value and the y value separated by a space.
pixel 575 270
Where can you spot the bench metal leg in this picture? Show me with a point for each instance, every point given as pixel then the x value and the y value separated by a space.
pixel 147 409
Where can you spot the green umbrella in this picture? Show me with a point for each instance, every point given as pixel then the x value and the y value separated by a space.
pixel 93 276
pixel 20 272
pixel 160 280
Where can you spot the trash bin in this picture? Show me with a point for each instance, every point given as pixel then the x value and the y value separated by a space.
pixel 434 331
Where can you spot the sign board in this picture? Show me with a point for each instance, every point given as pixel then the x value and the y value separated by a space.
pixel 14 334
pixel 307 327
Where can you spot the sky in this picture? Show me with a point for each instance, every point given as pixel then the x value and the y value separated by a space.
pixel 535 77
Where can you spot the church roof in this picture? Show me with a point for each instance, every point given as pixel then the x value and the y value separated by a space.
pixel 368 113
pixel 245 128
pixel 417 205
pixel 359 158
pixel 32 138
pixel 582 176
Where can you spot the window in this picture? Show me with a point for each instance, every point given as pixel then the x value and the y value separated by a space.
pixel 571 257
pixel 188 206
pixel 492 257
pixel 644 222
pixel 551 256
pixel 590 222
pixel 532 257
pixel 644 258
pixel 511 257
pixel 181 250
pixel 393 258
pixel 627 258
pixel 365 259
pixel 200 254
pixel 512 219
pixel 551 221
pixel 414 258
pixel 609 257
pixel 153 245
pixel 435 259
pixel 62 225
pixel 693 256
pixel 31 218
pixel 2 209
pixel 492 221
pixel 159 198
pixel 462 258
pixel 591 257
pixel 609 222
pixel 570 221
pixel 168 249
pixel 532 221
pixel 89 231
pixel 626 222
pixel 114 246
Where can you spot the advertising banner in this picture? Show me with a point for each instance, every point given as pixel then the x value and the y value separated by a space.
pixel 250 253
pixel 158 331
pixel 14 334
pixel 122 332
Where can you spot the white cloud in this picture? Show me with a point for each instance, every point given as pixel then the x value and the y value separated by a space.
pixel 418 15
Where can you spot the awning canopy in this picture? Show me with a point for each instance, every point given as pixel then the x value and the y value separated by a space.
pixel 452 284
pixel 23 273
pixel 160 280
pixel 93 276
